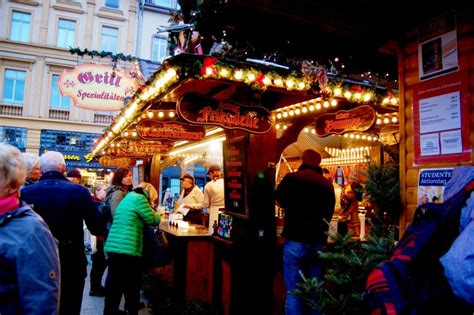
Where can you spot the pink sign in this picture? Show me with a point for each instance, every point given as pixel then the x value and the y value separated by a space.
pixel 97 87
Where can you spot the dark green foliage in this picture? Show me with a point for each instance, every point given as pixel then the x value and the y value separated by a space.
pixel 101 54
pixel 383 188
pixel 348 264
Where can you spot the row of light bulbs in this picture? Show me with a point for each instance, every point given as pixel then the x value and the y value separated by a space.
pixel 387 119
pixel 349 152
pixel 358 136
pixel 252 76
pixel 159 114
pixel 359 96
pixel 347 156
pixel 340 161
pixel 304 108
pixel 160 83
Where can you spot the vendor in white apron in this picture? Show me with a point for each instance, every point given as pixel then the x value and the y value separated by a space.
pixel 214 194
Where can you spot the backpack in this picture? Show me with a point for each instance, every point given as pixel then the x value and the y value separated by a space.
pixel 107 210
pixel 412 281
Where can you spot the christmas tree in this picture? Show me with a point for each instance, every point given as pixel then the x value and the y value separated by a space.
pixel 348 264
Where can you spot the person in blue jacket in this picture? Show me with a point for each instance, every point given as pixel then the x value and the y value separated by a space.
pixel 29 260
pixel 458 262
pixel 65 206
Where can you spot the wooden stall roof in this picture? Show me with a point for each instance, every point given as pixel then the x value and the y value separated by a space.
pixel 277 89
pixel 264 85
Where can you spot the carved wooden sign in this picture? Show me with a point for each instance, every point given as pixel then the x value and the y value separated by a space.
pixel 143 147
pixel 358 119
pixel 119 162
pixel 390 134
pixel 228 114
pixel 150 129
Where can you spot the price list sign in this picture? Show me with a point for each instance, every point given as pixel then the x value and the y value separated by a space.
pixel 234 176
pixel 440 116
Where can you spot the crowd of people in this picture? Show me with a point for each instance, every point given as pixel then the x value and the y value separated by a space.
pixel 42 216
pixel 44 212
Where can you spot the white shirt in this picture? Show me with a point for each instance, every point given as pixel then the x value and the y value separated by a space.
pixel 213 200
pixel 193 199
pixel 214 194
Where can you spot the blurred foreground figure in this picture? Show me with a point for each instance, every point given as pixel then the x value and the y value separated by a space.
pixel 29 261
pixel 64 206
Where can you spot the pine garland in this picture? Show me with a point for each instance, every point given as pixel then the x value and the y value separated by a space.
pixel 101 54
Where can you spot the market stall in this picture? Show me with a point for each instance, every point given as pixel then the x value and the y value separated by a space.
pixel 255 111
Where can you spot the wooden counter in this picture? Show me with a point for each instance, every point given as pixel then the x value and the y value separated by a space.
pixel 191 269
pixel 194 230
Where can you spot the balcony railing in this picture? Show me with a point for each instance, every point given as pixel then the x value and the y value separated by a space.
pixel 11 110
pixel 59 114
pixel 103 119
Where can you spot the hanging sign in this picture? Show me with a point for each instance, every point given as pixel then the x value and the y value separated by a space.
pixel 97 87
pixel 118 152
pixel 150 129
pixel 119 162
pixel 228 114
pixel 235 157
pixel 358 119
pixel 438 48
pixel 441 120
pixel 390 134
pixel 144 147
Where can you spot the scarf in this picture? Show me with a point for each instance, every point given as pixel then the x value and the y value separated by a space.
pixel 188 191
pixel 9 203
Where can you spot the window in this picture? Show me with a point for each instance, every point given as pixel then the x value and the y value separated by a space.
pixel 159 49
pixel 57 101
pixel 66 33
pixel 14 136
pixel 340 179
pixel 20 27
pixel 109 38
pixel 65 140
pixel 169 4
pixel 112 4
pixel 14 86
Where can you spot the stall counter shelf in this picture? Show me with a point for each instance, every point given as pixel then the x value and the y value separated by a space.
pixel 191 269
pixel 194 230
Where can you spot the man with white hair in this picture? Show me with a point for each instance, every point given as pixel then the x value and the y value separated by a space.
pixel 33 172
pixel 64 206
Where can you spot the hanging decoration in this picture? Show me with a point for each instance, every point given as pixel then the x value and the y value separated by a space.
pixel 101 54
pixel 314 73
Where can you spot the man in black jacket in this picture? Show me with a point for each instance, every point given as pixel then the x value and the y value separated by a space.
pixel 308 199
pixel 64 206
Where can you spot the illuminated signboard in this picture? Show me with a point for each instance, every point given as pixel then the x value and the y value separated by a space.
pixel 228 114
pixel 358 119
pixel 150 129
pixel 97 87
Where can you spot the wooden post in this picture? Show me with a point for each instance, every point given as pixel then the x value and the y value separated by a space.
pixel 155 171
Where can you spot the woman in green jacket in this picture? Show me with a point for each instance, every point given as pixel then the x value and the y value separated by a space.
pixel 124 247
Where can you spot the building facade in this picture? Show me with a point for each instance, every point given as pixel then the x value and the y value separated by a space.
pixel 35 37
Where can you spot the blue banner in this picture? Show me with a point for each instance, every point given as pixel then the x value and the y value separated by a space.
pixel 435 177
pixel 431 183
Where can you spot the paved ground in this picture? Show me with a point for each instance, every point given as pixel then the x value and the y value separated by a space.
pixel 92 305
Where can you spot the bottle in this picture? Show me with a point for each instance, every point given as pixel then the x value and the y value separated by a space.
pixel 214 228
